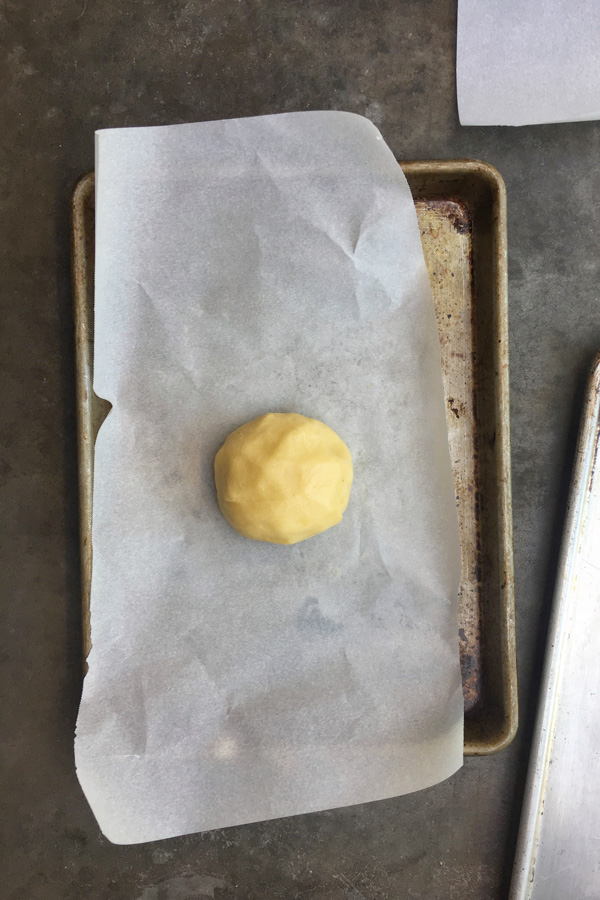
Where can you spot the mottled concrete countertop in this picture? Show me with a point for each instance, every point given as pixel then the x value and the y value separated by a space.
pixel 71 66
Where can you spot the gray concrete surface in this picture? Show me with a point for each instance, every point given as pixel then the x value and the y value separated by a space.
pixel 71 66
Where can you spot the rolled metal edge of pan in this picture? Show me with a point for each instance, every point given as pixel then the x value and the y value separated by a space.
pixel 83 380
pixel 503 463
pixel 508 649
pixel 543 737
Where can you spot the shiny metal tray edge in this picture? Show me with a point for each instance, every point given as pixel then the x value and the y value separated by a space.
pixel 491 725
pixel 557 643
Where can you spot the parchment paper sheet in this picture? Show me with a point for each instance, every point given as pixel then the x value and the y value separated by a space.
pixel 247 266
pixel 525 62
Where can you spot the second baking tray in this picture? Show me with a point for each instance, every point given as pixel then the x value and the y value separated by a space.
pixel 461 208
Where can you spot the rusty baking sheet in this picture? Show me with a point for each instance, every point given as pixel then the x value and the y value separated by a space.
pixel 461 208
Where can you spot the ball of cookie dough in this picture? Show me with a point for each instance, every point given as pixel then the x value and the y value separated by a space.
pixel 283 478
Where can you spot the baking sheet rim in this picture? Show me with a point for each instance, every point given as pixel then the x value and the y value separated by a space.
pixel 85 424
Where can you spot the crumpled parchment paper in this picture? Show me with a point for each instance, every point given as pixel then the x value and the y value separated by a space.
pixel 247 266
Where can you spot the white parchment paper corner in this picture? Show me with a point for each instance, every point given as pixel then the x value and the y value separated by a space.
pixel 527 62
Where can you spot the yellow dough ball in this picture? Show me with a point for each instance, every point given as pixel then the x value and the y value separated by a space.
pixel 283 478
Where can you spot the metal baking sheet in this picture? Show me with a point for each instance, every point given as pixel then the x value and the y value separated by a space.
pixel 557 854
pixel 461 208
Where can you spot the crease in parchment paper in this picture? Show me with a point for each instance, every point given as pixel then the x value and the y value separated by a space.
pixel 243 267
